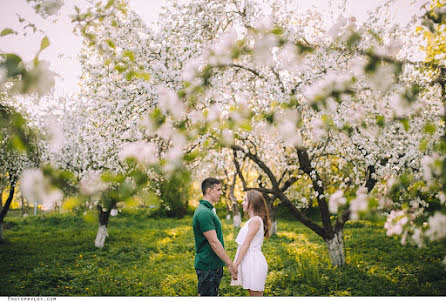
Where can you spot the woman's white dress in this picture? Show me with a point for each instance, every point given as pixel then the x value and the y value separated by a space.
pixel 253 269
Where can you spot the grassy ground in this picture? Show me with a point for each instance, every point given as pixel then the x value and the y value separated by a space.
pixel 54 255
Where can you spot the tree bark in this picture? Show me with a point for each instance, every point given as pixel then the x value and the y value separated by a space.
pixel 273 216
pixel 237 217
pixel 336 248
pixel 5 208
pixel 370 181
pixel 272 212
pixel 1 197
pixel 102 231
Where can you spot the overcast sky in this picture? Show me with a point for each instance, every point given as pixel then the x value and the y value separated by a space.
pixel 65 46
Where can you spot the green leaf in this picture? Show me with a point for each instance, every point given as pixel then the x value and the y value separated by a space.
pixel 129 75
pixel 7 31
pixel 158 117
pixel 423 144
pixel 121 68
pixel 44 43
pixel 277 31
pixel 380 121
pixel 14 65
pixel 129 54
pixel 110 3
pixel 143 75
pixel 17 144
pixel 353 39
pixel 110 43
pixel 405 123
pixel 429 128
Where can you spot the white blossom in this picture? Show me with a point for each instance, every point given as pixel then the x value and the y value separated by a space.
pixel 383 78
pixel 343 27
pixel 36 188
pixel 92 184
pixel 263 49
pixel 391 49
pixel 191 69
pixel 143 152
pixel 223 47
pixel 430 166
pixel 264 23
pixel 43 78
pixel 55 135
pixel 169 102
pixel 395 222
pixel 400 106
pixel 51 7
pixel 437 226
pixel 336 199
pixel 359 204
pixel 317 129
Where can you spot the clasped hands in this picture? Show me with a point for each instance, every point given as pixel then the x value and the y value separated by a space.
pixel 233 269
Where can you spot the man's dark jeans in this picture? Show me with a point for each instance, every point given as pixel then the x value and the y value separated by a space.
pixel 209 281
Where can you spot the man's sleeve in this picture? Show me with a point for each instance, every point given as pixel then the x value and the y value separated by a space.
pixel 206 221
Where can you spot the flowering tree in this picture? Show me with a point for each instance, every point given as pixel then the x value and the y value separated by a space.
pixel 421 216
pixel 13 159
pixel 19 139
pixel 314 121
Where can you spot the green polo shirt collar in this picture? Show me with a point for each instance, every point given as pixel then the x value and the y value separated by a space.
pixel 207 204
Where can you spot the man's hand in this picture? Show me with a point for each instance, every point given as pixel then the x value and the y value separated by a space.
pixel 218 248
pixel 233 270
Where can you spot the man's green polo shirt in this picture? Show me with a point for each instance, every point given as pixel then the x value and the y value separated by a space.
pixel 205 220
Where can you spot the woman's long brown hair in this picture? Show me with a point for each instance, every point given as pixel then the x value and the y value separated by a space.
pixel 259 207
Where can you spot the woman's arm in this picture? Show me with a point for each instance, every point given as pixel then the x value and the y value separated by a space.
pixel 253 227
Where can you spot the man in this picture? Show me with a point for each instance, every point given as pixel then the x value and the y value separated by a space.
pixel 209 246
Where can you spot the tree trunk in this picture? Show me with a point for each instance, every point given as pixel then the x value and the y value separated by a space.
pixel 273 216
pixel 102 231
pixel 236 216
pixel 237 220
pixel 1 197
pixel 5 208
pixel 273 227
pixel 336 248
pixel 24 206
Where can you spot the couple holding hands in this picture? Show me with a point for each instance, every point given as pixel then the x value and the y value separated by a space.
pixel 249 268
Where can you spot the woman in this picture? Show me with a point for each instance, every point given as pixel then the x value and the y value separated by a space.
pixel 249 260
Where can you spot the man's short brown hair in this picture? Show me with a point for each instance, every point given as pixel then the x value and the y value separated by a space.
pixel 209 183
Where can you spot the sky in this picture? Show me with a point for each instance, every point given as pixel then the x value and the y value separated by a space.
pixel 65 45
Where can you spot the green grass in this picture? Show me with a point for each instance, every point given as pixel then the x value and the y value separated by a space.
pixel 54 255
